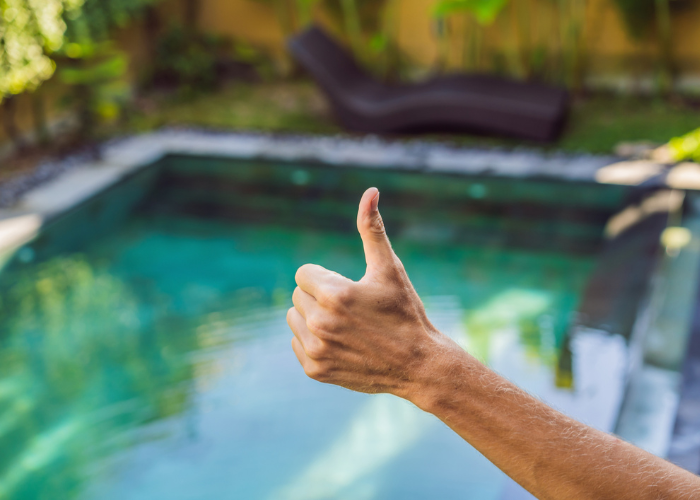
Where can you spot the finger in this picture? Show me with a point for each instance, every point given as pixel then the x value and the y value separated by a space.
pixel 303 302
pixel 298 325
pixel 299 351
pixel 311 278
pixel 378 252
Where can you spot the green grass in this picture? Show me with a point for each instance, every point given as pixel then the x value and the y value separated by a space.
pixel 596 123
pixel 291 107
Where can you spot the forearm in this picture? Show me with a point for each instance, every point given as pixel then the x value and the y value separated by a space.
pixel 540 448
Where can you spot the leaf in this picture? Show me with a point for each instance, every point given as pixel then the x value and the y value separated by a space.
pixel 686 147
pixel 485 11
pixel 379 42
pixel 112 68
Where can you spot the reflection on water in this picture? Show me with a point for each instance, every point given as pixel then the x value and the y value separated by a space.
pixel 381 429
pixel 523 310
pixel 157 364
pixel 79 366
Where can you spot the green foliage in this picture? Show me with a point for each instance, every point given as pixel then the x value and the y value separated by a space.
pixel 480 13
pixel 187 60
pixel 686 147
pixel 29 33
pixel 32 31
pixel 96 76
pixel 253 58
pixel 305 11
pixel 485 11
pixel 102 71
pixel 34 34
pixel 95 19
pixel 643 17
pixel 370 27
pixel 638 16
pixel 92 67
pixel 194 63
pixel 571 19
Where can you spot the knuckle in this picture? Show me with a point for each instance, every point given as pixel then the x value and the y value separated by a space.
pixel 316 371
pixel 343 296
pixel 320 325
pixel 336 298
pixel 376 225
pixel 324 297
pixel 290 312
pixel 316 349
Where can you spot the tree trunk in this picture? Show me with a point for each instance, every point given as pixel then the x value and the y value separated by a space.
pixel 663 22
pixel 353 29
pixel 523 32
pixel 442 31
pixel 192 8
pixel 151 26
pixel 9 121
pixel 391 67
pixel 39 114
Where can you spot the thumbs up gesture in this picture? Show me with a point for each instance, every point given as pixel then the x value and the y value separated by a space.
pixel 371 335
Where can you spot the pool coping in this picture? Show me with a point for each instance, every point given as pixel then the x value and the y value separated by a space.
pixel 125 157
pixel 85 178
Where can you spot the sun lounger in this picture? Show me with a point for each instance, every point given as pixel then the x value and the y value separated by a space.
pixel 460 102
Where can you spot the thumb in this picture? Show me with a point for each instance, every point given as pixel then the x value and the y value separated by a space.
pixel 378 252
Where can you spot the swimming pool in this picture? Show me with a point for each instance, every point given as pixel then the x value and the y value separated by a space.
pixel 144 351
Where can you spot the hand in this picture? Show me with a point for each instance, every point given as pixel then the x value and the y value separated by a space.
pixel 369 336
pixel 373 336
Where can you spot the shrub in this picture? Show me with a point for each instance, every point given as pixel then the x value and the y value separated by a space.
pixel 186 60
pixel 686 147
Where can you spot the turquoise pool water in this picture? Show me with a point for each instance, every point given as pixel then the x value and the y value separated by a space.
pixel 154 363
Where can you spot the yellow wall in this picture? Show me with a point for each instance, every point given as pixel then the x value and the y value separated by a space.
pixel 609 48
pixel 254 21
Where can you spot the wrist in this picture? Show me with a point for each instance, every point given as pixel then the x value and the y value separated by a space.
pixel 442 377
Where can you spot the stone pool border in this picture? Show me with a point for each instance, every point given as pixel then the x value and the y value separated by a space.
pixel 67 184
pixel 60 185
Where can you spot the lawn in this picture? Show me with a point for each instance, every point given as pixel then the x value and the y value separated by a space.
pixel 596 124
pixel 291 107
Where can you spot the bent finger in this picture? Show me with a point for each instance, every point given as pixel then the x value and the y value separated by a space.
pixel 297 323
pixel 299 351
pixel 312 279
pixel 303 302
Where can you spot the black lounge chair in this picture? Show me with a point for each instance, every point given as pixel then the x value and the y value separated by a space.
pixel 474 103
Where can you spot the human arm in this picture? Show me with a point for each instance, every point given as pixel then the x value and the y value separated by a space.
pixel 374 336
